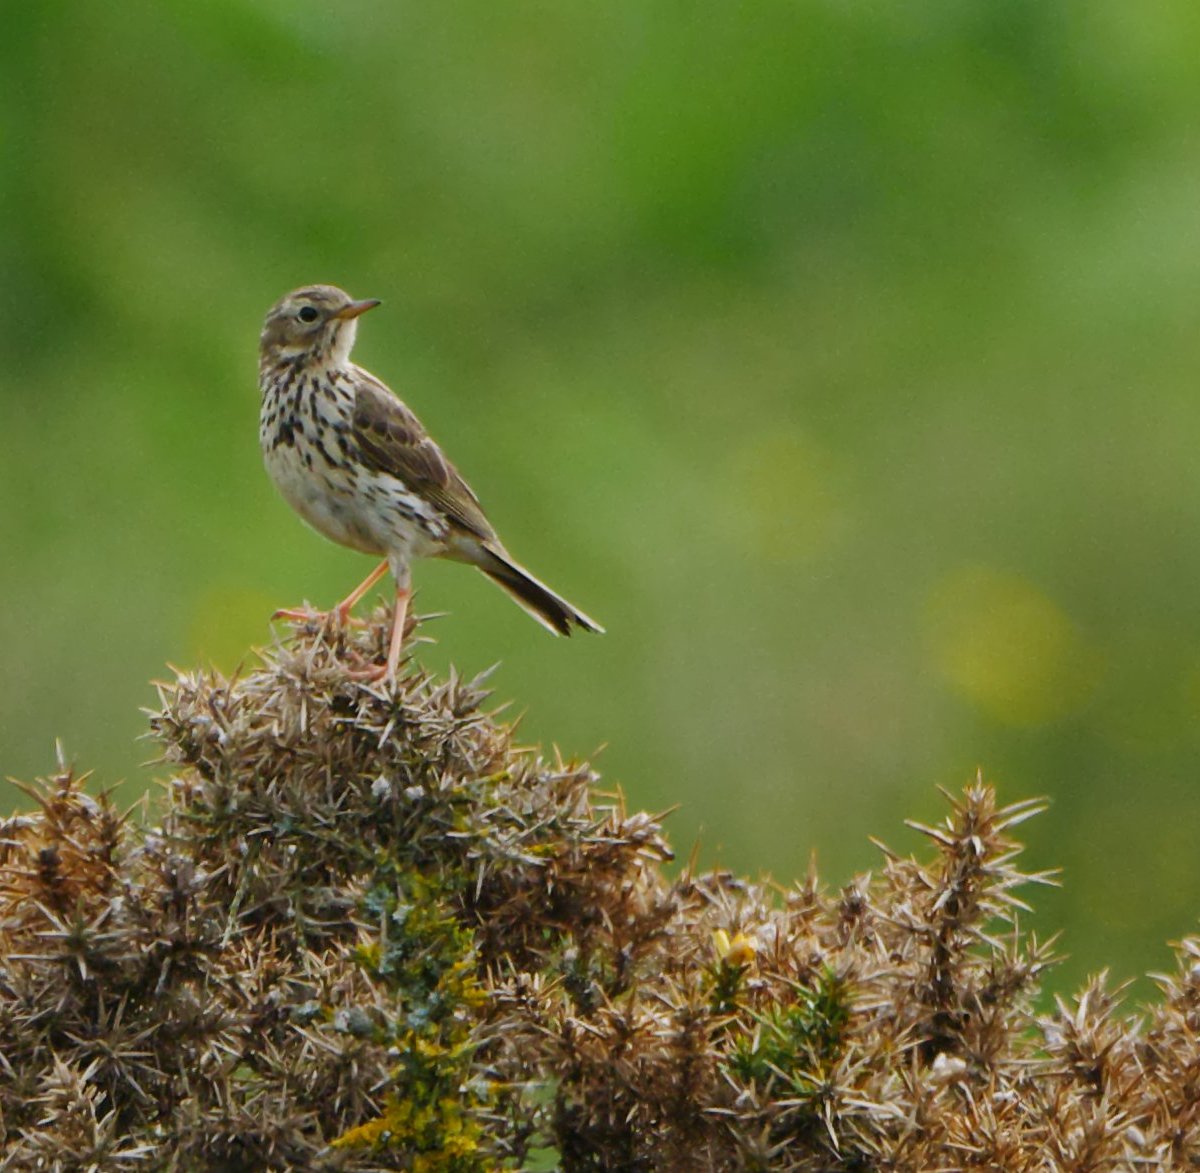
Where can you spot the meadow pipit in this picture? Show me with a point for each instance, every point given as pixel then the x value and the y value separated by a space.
pixel 357 465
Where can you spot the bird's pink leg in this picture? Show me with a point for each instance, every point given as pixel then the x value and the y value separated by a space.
pixel 387 672
pixel 343 609
pixel 351 600
pixel 398 619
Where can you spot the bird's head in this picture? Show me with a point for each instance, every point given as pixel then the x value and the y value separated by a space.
pixel 315 323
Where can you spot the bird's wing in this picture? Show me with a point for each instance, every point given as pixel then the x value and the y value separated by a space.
pixel 392 440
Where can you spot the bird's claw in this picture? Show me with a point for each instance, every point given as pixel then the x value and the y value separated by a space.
pixel 337 617
pixel 369 674
pixel 366 672
pixel 299 615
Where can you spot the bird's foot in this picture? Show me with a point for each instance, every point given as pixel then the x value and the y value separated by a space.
pixel 365 671
pixel 339 616
pixel 342 617
pixel 370 673
pixel 299 615
pixel 387 672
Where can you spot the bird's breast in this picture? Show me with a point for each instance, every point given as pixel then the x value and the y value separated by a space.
pixel 305 432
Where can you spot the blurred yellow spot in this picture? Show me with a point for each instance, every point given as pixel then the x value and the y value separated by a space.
pixel 1007 647
pixel 226 622
pixel 782 501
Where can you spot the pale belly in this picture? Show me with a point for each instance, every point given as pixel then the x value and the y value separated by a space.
pixel 358 508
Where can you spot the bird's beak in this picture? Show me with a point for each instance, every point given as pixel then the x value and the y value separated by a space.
pixel 355 308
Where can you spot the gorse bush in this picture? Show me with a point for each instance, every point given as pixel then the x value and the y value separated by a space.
pixel 370 932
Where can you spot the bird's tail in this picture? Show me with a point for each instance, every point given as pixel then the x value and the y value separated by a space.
pixel 552 611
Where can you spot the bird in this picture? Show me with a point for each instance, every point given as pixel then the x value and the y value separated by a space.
pixel 357 465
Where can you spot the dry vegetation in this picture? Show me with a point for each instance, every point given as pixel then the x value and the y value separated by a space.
pixel 370 932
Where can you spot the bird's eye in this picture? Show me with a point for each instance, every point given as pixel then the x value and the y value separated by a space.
pixel 307 314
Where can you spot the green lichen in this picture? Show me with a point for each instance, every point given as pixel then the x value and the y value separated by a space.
pixel 426 956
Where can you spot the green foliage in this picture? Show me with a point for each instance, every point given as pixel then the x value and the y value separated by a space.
pixel 840 357
pixel 793 1043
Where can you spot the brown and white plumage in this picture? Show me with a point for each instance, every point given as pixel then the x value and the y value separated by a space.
pixel 358 466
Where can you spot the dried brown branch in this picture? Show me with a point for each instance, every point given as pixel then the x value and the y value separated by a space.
pixel 369 932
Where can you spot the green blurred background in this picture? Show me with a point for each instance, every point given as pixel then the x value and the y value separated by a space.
pixel 840 358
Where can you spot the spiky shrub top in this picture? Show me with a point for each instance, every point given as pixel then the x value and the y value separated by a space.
pixel 369 932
